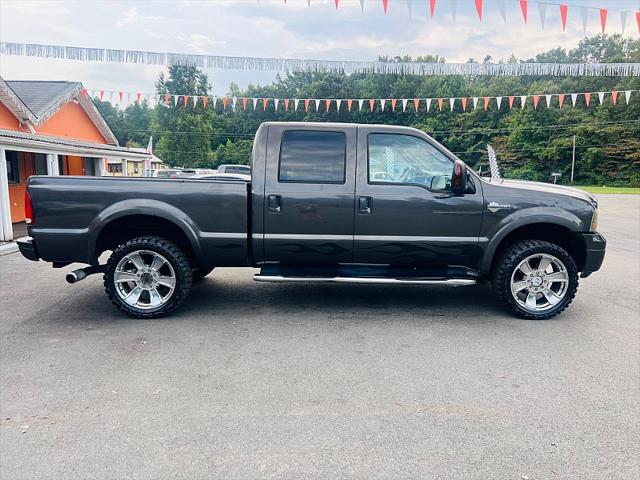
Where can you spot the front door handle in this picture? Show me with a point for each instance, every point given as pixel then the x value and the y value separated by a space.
pixel 364 205
pixel 274 203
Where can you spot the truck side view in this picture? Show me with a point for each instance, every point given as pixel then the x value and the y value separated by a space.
pixel 327 202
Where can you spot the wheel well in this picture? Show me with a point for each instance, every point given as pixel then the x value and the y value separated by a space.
pixel 550 232
pixel 125 228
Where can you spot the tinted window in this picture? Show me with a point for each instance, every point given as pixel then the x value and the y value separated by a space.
pixel 312 157
pixel 407 160
pixel 13 175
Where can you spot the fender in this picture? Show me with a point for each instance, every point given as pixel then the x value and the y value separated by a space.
pixel 142 206
pixel 521 218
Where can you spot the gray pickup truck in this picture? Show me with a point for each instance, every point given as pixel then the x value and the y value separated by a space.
pixel 327 202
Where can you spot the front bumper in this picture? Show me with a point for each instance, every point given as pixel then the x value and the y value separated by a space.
pixel 28 249
pixel 595 246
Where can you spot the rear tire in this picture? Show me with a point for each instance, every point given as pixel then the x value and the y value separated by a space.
pixel 199 273
pixel 148 277
pixel 536 279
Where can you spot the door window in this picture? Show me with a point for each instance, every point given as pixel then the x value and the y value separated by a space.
pixel 13 174
pixel 407 160
pixel 312 157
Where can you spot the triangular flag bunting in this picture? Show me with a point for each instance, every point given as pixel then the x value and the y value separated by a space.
pixel 167 97
pixel 574 97
pixel 225 101
pixel 638 19
pixel 175 100
pixel 205 99
pixel 393 104
pixel 548 100
pixel 316 101
pixel 614 97
pixel 475 102
pixel 464 103
pixel 498 102
pixel 523 100
pixel 511 99
pixel 454 9
pixel 542 10
pixel 337 2
pixel 452 102
pixel 185 99
pixel 296 102
pixel 623 21
pixel 601 97
pixel 306 104
pixel 382 102
pixel 560 99
pixel 362 5
pixel 287 101
pixel 486 103
pixel 385 5
pixel 429 104
pixel 265 104
pixel 524 7
pixel 372 104
pixel 404 104
pixel 234 101
pixel 416 104
pixel 410 8
pixel 244 103
pixel 432 7
pixel 215 102
pixel 349 104
pixel 440 103
pixel 195 101
pixel 564 8
pixel 587 98
pixel 503 10
pixel 327 104
pixel 627 96
pixel 276 102
pixel 360 103
pixel 255 104
pixel 120 95
pixel 479 8
pixel 584 15
pixel 603 18
pixel 101 94
pixel 338 103
pixel 536 99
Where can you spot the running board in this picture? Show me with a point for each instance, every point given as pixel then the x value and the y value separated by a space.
pixel 454 282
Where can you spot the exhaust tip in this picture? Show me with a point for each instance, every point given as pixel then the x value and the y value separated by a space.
pixel 71 277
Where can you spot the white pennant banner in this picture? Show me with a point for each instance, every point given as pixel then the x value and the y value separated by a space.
pixel 601 97
pixel 475 102
pixel 404 104
pixel 542 10
pixel 623 21
pixel 454 9
pixel 317 102
pixel 296 101
pixel 548 100
pixel 360 102
pixel 255 103
pixel 410 8
pixel 382 102
pixel 452 102
pixel 574 97
pixel 429 103
pixel 499 102
pixel 523 100
pixel 502 8
pixel 276 102
pixel 627 96
pixel 338 103
pixel 584 14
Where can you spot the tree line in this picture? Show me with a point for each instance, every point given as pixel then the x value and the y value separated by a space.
pixel 530 144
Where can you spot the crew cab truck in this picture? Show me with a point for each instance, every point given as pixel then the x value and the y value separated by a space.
pixel 327 202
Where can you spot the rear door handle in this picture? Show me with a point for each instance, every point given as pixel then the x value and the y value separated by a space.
pixel 274 203
pixel 364 205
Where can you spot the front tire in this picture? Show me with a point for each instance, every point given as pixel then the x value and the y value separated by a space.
pixel 536 279
pixel 148 277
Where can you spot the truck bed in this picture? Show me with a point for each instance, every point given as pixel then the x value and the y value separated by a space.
pixel 71 212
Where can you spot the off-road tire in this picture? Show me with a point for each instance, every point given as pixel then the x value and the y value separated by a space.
pixel 199 273
pixel 510 258
pixel 174 255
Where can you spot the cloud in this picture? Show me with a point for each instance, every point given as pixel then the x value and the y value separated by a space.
pixel 131 15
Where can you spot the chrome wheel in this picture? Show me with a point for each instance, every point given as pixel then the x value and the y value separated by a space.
pixel 539 282
pixel 144 279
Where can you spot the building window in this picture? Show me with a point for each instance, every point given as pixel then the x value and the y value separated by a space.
pixel 135 167
pixel 115 168
pixel 308 156
pixel 13 173
pixel 40 163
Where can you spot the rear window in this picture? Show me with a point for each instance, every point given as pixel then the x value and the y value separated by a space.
pixel 308 156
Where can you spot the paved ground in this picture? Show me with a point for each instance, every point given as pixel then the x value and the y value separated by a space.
pixel 302 381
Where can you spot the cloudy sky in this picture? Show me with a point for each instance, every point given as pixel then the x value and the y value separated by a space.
pixel 272 29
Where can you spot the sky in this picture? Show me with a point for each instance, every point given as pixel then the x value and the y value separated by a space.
pixel 271 28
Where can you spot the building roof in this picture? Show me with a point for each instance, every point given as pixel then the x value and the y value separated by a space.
pixel 36 101
pixel 66 146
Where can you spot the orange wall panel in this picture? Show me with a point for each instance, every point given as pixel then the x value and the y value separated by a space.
pixel 72 121
pixel 16 191
pixel 7 120
pixel 75 165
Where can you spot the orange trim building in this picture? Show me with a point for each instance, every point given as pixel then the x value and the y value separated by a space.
pixel 49 128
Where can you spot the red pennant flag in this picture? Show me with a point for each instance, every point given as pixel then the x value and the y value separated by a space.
pixel 337 1
pixel 349 104
pixel 638 19
pixel 186 99
pixel 603 18
pixel 563 16
pixel 372 104
pixel 416 103
pixel 385 5
pixel 486 103
pixel 327 104
pixel 286 104
pixel 440 102
pixel 166 98
pixel 587 98
pixel 432 7
pixel 306 105
pixel 561 99
pixel 138 95
pixel 205 99
pixel 524 5
pixel 225 101
pixel 464 104
pixel 393 104
pixel 101 94
pixel 244 103
pixel 614 96
pixel 536 99
pixel 479 8
pixel 511 99
pixel 120 94
pixel 84 92
pixel 265 102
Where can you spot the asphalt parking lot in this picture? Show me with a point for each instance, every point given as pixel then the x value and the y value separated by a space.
pixel 296 381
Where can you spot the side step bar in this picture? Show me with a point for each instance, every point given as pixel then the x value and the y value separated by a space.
pixel 456 282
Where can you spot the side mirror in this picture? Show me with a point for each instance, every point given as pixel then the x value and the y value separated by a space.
pixel 459 178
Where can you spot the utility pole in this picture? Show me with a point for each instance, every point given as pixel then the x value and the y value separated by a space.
pixel 573 158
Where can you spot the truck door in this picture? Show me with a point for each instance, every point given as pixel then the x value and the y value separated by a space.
pixel 309 194
pixel 406 214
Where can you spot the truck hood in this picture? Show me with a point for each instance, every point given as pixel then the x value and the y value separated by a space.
pixel 545 188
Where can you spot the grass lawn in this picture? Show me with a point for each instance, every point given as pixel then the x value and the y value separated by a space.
pixel 600 190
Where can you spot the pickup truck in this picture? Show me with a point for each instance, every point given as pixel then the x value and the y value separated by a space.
pixel 327 202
